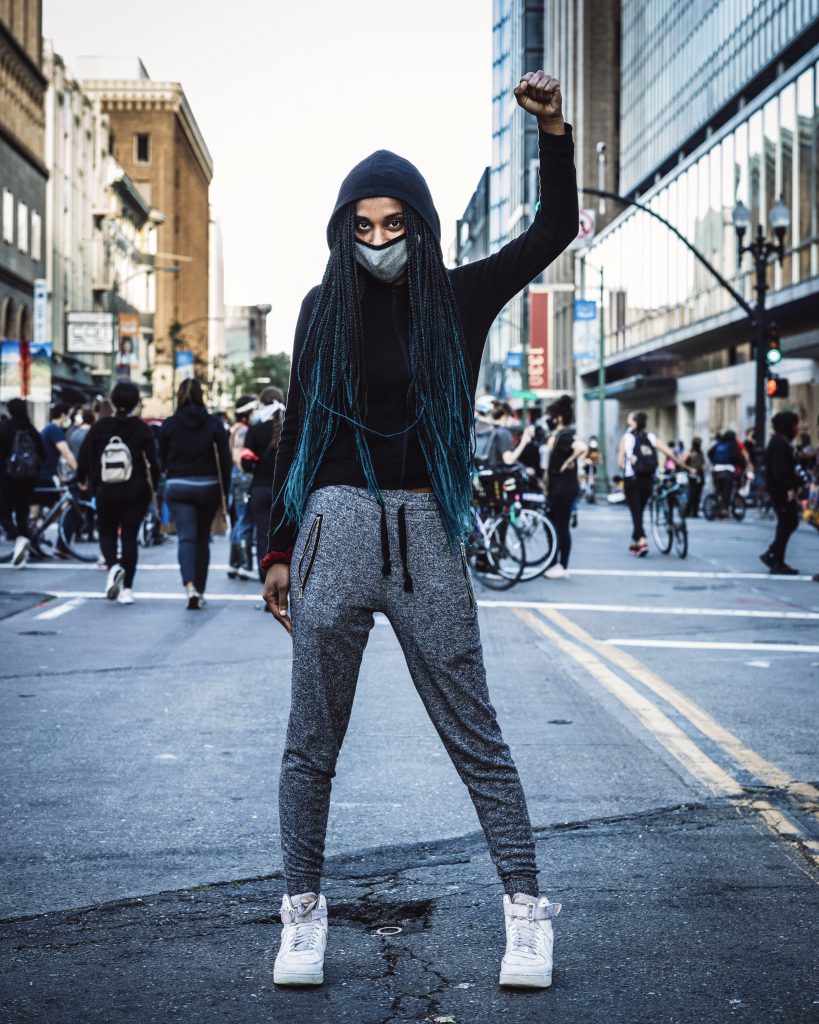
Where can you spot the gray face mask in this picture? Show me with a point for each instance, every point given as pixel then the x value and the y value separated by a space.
pixel 385 262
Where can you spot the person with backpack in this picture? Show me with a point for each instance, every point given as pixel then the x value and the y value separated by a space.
pixel 118 464
pixel 495 447
pixel 259 457
pixel 726 462
pixel 783 482
pixel 22 455
pixel 194 451
pixel 637 457
pixel 563 488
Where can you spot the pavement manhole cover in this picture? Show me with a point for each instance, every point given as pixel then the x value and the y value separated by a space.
pixel 389 929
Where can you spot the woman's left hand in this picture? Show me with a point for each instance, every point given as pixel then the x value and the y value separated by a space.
pixel 539 94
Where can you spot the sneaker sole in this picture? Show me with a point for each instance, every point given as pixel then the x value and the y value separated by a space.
pixel 286 978
pixel 112 593
pixel 525 980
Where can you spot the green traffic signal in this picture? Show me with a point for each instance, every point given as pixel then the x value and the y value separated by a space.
pixel 773 353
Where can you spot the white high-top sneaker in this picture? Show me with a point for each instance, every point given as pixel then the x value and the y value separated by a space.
pixel 527 962
pixel 300 960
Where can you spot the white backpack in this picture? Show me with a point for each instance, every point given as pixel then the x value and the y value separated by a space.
pixel 116 462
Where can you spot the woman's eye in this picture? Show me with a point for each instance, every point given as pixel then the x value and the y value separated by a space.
pixel 395 225
pixel 362 226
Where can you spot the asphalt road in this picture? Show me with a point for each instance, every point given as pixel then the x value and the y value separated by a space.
pixel 663 715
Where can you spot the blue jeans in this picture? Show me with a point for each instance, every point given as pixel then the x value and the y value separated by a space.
pixel 193 503
pixel 243 525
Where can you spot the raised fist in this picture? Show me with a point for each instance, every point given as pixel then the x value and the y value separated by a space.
pixel 539 94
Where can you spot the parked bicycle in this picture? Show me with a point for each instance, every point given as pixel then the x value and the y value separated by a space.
pixel 65 528
pixel 667 514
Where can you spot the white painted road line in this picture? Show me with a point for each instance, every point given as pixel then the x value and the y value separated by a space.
pixel 61 609
pixel 716 645
pixel 670 574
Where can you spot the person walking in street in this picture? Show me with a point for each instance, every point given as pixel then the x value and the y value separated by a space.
pixel 694 461
pixel 372 501
pixel 241 533
pixel 118 464
pixel 194 451
pixel 565 448
pixel 727 462
pixel 83 421
pixel 637 457
pixel 56 447
pixel 495 446
pixel 782 482
pixel 261 443
pixel 22 455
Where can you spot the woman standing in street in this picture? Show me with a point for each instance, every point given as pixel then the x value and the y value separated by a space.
pixel 121 502
pixel 193 449
pixel 372 499
pixel 694 462
pixel 564 451
pixel 637 457
pixel 782 483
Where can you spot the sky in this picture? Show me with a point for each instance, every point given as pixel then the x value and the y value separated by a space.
pixel 289 96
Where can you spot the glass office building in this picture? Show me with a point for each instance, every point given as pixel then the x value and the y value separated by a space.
pixel 517 46
pixel 676 343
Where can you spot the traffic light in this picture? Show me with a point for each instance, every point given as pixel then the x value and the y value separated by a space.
pixel 773 353
pixel 777 387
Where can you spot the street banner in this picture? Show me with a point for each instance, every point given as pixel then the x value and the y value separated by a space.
pixel 585 230
pixel 514 360
pixel 11 384
pixel 90 333
pixel 41 331
pixel 25 370
pixel 538 352
pixel 184 364
pixel 585 329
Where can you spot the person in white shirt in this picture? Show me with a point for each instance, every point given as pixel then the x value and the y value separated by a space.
pixel 637 457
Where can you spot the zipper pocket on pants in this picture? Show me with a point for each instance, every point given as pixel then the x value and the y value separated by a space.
pixel 468 578
pixel 309 553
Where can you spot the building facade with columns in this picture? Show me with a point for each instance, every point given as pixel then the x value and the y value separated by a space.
pixel 158 143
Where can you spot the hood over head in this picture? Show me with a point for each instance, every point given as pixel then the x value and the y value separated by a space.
pixel 194 417
pixel 386 174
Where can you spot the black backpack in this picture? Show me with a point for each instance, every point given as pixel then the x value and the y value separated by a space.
pixel 644 458
pixel 23 462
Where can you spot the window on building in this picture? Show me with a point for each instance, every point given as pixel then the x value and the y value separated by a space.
pixel 22 227
pixel 36 236
pixel 8 216
pixel 142 148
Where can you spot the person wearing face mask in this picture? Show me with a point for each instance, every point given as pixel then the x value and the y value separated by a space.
pixel 371 503
pixel 565 449
pixel 56 446
pixel 782 483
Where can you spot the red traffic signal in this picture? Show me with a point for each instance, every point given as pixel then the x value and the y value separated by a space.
pixel 777 387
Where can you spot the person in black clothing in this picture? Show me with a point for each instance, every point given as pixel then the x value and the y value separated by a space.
pixel 194 451
pixel 372 500
pixel 694 461
pixel 261 440
pixel 121 505
pixel 18 475
pixel 563 488
pixel 782 484
pixel 727 461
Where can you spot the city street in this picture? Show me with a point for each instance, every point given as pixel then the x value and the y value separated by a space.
pixel 663 717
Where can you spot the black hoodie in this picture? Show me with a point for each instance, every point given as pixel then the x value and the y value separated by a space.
pixel 481 290
pixel 186 442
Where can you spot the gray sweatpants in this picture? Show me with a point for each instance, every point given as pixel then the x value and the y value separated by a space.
pixel 337 580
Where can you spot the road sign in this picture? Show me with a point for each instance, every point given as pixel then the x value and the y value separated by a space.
pixel 585 230
pixel 514 360
pixel 526 396
pixel 41 309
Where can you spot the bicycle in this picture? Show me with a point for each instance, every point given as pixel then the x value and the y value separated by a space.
pixel 68 528
pixel 495 551
pixel 716 506
pixel 668 526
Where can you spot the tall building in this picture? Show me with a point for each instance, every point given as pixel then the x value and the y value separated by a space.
pixel 517 46
pixel 719 104
pixel 23 178
pixel 245 333
pixel 156 139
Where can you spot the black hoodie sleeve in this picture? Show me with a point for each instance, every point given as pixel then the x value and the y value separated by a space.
pixel 483 288
pixel 281 535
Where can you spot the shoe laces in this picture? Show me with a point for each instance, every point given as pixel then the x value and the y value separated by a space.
pixel 524 936
pixel 304 935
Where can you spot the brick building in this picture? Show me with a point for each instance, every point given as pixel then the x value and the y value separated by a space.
pixel 156 139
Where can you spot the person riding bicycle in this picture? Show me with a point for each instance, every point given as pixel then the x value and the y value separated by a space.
pixel 727 462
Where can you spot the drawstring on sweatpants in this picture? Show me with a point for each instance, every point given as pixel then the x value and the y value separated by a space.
pixel 386 568
pixel 402 545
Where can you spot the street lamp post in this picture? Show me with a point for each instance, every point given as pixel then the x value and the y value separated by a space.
pixel 762 250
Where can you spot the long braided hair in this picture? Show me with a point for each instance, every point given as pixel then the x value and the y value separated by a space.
pixel 331 377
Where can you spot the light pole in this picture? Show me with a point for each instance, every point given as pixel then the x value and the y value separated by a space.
pixel 762 250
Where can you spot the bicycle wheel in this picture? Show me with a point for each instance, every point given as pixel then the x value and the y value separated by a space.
pixel 661 525
pixel 496 554
pixel 738 507
pixel 540 539
pixel 6 546
pixel 78 531
pixel 680 530
pixel 710 507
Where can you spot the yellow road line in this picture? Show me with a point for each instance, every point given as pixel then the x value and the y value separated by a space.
pixel 698 763
pixel 681 746
pixel 803 792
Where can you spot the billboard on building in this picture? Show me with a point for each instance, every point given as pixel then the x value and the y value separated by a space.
pixel 90 333
pixel 539 335
pixel 25 370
